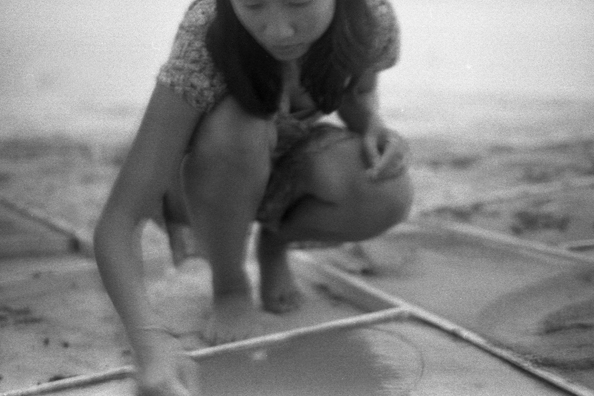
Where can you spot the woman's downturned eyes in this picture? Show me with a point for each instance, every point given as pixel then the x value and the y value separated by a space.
pixel 253 4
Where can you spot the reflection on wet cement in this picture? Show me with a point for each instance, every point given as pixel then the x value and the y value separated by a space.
pixel 360 362
pixel 552 321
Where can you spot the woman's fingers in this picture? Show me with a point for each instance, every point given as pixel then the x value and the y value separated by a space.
pixel 391 159
pixel 372 150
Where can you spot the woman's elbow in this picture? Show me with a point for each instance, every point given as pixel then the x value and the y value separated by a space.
pixel 112 226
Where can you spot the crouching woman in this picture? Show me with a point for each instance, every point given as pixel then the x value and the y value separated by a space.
pixel 232 136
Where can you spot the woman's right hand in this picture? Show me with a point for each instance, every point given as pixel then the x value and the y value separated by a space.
pixel 167 372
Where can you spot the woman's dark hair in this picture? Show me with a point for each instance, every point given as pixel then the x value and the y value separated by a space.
pixel 254 77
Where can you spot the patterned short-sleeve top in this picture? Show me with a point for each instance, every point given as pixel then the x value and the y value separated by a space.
pixel 190 70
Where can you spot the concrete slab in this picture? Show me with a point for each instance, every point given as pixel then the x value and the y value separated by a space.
pixel 395 359
pixel 526 298
pixel 58 322
pixel 61 323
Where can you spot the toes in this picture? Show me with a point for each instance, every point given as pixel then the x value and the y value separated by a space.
pixel 283 303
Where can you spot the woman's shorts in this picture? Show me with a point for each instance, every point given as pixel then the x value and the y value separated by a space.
pixel 297 142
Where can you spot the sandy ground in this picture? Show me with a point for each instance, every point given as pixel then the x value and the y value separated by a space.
pixel 464 177
pixel 542 193
pixel 70 180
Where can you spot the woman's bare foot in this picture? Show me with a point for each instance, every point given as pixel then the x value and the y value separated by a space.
pixel 233 318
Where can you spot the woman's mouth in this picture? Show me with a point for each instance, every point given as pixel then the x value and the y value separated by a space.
pixel 287 51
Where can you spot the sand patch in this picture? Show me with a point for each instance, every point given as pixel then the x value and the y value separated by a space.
pixel 551 321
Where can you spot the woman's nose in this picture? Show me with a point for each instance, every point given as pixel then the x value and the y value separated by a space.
pixel 280 27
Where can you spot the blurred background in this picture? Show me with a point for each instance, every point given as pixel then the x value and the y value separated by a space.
pixel 471 68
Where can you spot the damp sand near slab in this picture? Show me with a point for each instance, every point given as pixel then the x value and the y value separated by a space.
pixel 551 321
pixel 528 299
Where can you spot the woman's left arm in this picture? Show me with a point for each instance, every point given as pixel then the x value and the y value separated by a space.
pixel 385 150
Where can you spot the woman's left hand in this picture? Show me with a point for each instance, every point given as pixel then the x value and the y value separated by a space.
pixel 387 153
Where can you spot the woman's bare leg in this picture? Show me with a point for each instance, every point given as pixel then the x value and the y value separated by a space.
pixel 344 204
pixel 278 291
pixel 224 179
pixel 341 204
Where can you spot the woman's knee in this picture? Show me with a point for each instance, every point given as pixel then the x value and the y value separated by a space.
pixel 368 207
pixel 232 141
pixel 378 206
pixel 397 199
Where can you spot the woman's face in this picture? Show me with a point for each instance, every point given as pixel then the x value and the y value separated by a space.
pixel 285 28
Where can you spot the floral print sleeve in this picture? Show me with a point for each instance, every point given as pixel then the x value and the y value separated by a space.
pixel 190 70
pixel 387 38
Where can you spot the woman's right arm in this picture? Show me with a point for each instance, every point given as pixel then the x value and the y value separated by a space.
pixel 154 157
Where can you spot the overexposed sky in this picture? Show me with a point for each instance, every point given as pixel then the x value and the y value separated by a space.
pixel 85 45
pixel 502 45
pixel 79 65
pixel 98 46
